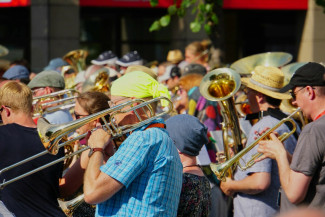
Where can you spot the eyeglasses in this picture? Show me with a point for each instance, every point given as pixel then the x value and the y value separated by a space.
pixel 294 93
pixel 78 116
pixel 36 90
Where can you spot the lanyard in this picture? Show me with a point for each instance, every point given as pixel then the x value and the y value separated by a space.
pixel 320 115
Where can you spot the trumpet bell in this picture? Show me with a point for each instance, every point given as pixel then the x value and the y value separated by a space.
pixel 220 84
pixel 246 65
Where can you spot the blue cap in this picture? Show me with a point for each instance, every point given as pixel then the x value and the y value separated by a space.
pixel 16 72
pixel 188 133
pixel 56 63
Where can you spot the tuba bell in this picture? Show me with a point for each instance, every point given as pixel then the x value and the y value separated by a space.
pixel 246 65
pixel 77 63
pixel 221 85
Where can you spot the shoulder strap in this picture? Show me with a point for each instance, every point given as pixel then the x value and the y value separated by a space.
pixel 278 114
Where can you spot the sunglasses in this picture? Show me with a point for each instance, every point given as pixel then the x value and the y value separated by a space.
pixel 294 93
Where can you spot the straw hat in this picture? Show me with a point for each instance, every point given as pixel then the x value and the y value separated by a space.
pixel 267 80
pixel 142 69
pixel 174 56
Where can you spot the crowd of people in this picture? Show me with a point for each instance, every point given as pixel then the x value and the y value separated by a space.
pixel 138 162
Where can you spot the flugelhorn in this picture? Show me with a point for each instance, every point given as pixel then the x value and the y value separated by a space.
pixel 221 85
pixel 220 170
pixel 51 134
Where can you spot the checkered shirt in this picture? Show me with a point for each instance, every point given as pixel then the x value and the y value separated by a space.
pixel 148 165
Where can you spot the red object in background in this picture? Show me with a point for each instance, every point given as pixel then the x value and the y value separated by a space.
pixel 266 4
pixel 125 3
pixel 14 3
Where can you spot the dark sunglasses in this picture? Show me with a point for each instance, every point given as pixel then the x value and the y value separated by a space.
pixel 294 93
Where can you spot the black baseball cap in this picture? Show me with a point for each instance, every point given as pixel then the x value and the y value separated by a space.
pixel 310 74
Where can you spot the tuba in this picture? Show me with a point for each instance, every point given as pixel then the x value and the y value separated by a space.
pixel 221 85
pixel 77 63
pixel 98 81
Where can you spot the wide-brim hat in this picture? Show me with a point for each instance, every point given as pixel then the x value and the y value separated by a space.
pixel 267 80
pixel 175 56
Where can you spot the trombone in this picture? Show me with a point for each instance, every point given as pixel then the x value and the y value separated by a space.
pixel 51 134
pixel 41 108
pixel 221 169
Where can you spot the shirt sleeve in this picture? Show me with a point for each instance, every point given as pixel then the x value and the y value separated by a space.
pixel 129 161
pixel 308 155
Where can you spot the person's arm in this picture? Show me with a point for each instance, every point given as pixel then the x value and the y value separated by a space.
pixel 252 184
pixel 98 186
pixel 294 184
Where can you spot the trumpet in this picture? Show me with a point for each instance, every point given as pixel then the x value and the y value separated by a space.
pixel 220 170
pixel 52 134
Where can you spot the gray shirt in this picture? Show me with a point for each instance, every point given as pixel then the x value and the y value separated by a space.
pixel 309 159
pixel 264 203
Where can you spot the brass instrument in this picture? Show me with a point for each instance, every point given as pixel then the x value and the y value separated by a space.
pixel 43 104
pixel 3 51
pixel 52 134
pixel 242 105
pixel 77 63
pixel 286 105
pixel 220 170
pixel 246 65
pixel 98 81
pixel 220 85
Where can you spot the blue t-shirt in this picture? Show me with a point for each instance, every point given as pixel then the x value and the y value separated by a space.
pixel 148 165
pixel 264 203
pixel 35 195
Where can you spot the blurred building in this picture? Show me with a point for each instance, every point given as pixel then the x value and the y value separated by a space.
pixel 39 30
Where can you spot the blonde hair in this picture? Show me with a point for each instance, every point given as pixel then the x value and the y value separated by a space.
pixel 198 48
pixel 189 81
pixel 17 96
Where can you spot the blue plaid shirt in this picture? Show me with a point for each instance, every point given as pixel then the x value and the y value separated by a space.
pixel 148 165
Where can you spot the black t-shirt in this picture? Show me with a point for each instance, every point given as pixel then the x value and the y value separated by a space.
pixel 34 195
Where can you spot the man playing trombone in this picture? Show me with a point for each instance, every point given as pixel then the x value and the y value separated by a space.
pixel 302 175
pixel 144 176
pixel 35 195
pixel 255 190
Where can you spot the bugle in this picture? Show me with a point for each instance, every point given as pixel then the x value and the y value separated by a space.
pixel 221 169
pixel 52 134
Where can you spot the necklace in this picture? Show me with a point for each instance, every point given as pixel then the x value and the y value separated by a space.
pixel 194 165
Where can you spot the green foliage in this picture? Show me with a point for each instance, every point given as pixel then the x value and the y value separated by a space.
pixel 205 17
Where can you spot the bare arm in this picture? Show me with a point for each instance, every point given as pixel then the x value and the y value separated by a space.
pixel 294 184
pixel 98 186
pixel 252 184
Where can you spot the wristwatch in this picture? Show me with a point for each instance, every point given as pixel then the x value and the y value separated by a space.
pixel 93 150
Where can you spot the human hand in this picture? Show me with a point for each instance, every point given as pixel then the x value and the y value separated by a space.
pixel 99 139
pixel 270 148
pixel 225 186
